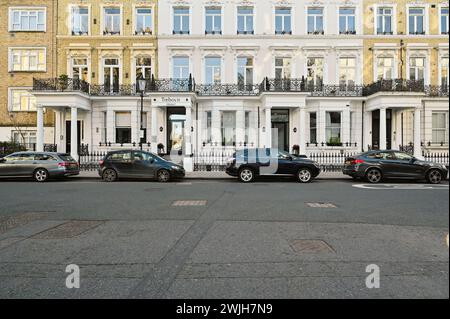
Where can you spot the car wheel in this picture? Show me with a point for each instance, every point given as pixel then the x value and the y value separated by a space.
pixel 246 175
pixel 109 175
pixel 163 176
pixel 434 176
pixel 304 175
pixel 41 175
pixel 374 175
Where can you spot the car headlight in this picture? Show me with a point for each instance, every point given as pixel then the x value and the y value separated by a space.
pixel 230 160
pixel 176 167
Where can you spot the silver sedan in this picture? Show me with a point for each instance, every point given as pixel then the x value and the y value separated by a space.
pixel 39 165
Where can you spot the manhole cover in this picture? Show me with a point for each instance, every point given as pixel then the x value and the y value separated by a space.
pixel 68 230
pixel 11 222
pixel 311 246
pixel 180 203
pixel 321 205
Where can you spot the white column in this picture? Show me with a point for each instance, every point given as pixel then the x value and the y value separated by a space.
pixel 154 130
pixel 268 116
pixel 188 163
pixel 367 130
pixel 346 138
pixel 135 127
pixel 110 126
pixel 40 129
pixel 302 130
pixel 417 130
pixel 383 129
pixel 74 132
pixel 216 134
pixel 240 128
pixel 58 130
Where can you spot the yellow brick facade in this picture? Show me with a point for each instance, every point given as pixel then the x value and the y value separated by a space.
pixel 95 46
pixel 434 42
pixel 9 79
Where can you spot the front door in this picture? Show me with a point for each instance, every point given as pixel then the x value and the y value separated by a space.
pixel 376 129
pixel 69 135
pixel 280 124
pixel 176 118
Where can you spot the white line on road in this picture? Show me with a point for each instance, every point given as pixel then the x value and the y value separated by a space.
pixel 401 186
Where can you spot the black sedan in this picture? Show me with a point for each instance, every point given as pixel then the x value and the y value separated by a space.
pixel 249 163
pixel 138 164
pixel 374 166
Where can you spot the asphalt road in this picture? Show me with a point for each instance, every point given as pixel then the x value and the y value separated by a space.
pixel 270 239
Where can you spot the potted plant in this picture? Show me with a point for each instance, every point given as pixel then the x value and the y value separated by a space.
pixel 334 141
pixel 63 82
pixel 296 149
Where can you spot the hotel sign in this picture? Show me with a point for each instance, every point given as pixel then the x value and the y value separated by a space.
pixel 172 101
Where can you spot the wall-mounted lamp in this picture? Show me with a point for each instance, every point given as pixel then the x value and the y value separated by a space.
pixel 295 130
pixel 95 21
pixel 161 129
pixel 93 75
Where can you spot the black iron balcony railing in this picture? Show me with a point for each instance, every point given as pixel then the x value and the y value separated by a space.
pixel 397 85
pixel 228 90
pixel 64 84
pixel 437 90
pixel 61 85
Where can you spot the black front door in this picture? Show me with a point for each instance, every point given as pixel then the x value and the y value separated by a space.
pixel 376 129
pixel 69 135
pixel 280 124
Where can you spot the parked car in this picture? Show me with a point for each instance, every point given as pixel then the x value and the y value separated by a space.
pixel 39 165
pixel 374 166
pixel 250 163
pixel 138 164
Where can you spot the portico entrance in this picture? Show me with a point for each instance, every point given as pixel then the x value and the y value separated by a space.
pixel 176 119
pixel 376 142
pixel 280 124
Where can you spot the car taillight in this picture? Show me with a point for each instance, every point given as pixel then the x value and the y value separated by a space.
pixel 357 161
pixel 64 164
pixel 101 162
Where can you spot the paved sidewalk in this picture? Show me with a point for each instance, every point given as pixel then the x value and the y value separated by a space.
pixel 216 175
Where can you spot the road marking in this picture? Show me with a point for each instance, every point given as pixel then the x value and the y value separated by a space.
pixel 321 205
pixel 400 186
pixel 183 203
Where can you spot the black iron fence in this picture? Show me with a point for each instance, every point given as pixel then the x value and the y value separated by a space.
pixel 90 161
pixel 212 160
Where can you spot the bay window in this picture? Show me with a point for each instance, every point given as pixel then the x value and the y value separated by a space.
pixel 440 128
pixel 228 128
pixel 123 127
pixel 333 128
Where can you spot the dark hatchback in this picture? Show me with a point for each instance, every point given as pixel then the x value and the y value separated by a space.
pixel 374 166
pixel 250 163
pixel 138 164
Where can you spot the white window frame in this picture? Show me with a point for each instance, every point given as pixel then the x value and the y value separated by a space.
pixel 347 68
pixel 26 134
pixel 103 19
pixel 324 67
pixel 441 57
pixel 70 22
pixel 214 17
pixel 341 129
pixel 183 16
pixel 173 64
pixel 394 18
pixel 283 68
pixel 102 69
pixel 26 8
pixel 291 15
pixel 440 19
pixel 426 67
pixel 246 31
pixel 10 98
pixel 324 26
pixel 135 18
pixel 245 73
pixel 10 58
pixel 386 53
pixel 346 20
pixel 440 129
pixel 205 69
pixel 135 66
pixel 425 18
pixel 72 66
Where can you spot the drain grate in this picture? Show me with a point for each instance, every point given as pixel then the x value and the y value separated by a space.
pixel 11 222
pixel 68 230
pixel 311 246
pixel 321 205
pixel 183 203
